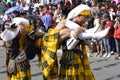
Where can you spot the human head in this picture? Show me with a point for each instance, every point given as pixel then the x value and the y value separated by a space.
pixel 106 17
pixel 103 9
pixel 79 14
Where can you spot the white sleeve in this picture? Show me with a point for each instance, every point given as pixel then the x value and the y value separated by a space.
pixel 84 35
pixel 98 35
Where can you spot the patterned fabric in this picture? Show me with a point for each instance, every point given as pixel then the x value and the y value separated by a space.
pixel 77 68
pixel 85 13
pixel 17 74
pixel 28 28
pixel 49 56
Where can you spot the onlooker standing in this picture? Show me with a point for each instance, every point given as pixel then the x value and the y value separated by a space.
pixel 99 43
pixel 117 36
pixel 46 18
pixel 107 39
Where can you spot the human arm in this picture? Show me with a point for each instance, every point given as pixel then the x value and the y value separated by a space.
pixel 66 32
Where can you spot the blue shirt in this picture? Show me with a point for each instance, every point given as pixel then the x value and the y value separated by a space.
pixel 47 19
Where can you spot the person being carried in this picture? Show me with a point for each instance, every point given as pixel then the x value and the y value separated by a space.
pixel 85 34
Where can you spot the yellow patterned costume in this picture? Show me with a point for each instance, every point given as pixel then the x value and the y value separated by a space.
pixel 79 69
pixel 18 74
pixel 48 58
pixel 75 65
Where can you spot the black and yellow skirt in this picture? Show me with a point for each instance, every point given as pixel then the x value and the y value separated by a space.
pixel 17 74
pixel 75 66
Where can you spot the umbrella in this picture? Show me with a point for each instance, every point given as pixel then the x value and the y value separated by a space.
pixel 12 9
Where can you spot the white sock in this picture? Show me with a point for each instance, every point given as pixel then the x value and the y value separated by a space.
pixel 92 30
pixel 84 35
pixel 88 34
pixel 98 35
pixel 101 34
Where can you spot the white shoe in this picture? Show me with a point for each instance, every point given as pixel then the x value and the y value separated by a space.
pixel 105 55
pixel 112 52
pixel 109 55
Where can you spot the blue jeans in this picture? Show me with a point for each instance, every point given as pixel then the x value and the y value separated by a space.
pixel 106 45
pixel 117 42
pixel 112 44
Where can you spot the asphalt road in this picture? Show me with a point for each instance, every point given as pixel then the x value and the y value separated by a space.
pixel 102 68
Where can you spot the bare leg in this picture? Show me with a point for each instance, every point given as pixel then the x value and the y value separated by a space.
pixel 101 49
pixel 98 49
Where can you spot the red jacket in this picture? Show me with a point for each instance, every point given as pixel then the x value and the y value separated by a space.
pixel 117 31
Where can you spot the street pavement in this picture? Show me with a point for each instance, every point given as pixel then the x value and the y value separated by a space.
pixel 102 68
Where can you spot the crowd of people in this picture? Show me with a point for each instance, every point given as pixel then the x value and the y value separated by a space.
pixel 30 28
pixel 107 14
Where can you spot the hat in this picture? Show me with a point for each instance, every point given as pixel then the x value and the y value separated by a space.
pixel 9 33
pixel 82 9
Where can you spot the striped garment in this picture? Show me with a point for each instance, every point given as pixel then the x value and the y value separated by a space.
pixel 49 56
pixel 75 66
pixel 77 70
pixel 17 74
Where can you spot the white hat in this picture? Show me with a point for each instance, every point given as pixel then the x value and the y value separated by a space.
pixel 20 20
pixel 80 9
pixel 10 33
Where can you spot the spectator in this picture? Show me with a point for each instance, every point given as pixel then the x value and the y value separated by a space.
pixel 108 38
pixel 117 36
pixel 99 43
pixel 46 18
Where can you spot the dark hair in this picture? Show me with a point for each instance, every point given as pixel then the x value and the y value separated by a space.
pixel 106 15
